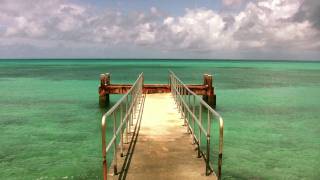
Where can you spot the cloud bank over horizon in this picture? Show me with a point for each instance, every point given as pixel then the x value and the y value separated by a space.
pixel 266 29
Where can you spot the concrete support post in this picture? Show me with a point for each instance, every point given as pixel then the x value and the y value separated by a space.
pixel 104 98
pixel 210 97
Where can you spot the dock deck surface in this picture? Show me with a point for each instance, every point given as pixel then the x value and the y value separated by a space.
pixel 164 149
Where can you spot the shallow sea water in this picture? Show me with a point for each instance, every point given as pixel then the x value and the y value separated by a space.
pixel 50 119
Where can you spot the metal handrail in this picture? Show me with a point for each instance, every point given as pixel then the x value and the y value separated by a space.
pixel 126 107
pixel 182 95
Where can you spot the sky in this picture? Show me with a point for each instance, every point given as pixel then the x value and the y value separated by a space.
pixel 204 29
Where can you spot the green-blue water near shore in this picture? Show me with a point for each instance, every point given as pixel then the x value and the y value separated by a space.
pixel 50 120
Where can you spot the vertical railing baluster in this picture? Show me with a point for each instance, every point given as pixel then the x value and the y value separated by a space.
pixel 179 92
pixel 127 119
pixel 121 131
pixel 220 147
pixel 104 152
pixel 188 119
pixel 130 112
pixel 208 156
pixel 184 108
pixel 115 171
pixel 200 120
pixel 208 142
pixel 193 119
pixel 133 104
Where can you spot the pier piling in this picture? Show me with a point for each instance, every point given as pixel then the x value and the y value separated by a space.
pixel 104 97
pixel 210 96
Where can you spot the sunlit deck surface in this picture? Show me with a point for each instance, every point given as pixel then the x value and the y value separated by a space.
pixel 164 149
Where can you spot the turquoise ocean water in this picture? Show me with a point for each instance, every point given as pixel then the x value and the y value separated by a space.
pixel 50 119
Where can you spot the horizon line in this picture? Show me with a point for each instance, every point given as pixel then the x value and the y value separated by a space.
pixel 201 59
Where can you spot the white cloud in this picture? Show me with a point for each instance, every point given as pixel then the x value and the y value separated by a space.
pixel 280 9
pixel 266 24
pixel 231 2
pixel 199 30
pixel 269 24
pixel 146 34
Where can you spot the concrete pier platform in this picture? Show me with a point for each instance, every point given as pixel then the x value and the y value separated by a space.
pixel 164 149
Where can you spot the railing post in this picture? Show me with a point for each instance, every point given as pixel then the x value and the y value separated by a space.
pixel 200 119
pixel 185 109
pixel 177 98
pixel 115 170
pixel 104 153
pixel 172 86
pixel 220 148
pixel 189 102
pixel 177 91
pixel 131 111
pixel 208 144
pixel 126 119
pixel 135 102
pixel 121 131
pixel 208 156
pixel 105 171
pixel 133 106
pixel 193 120
pixel 189 126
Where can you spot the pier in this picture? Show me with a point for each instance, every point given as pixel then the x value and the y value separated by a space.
pixel 106 88
pixel 161 132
